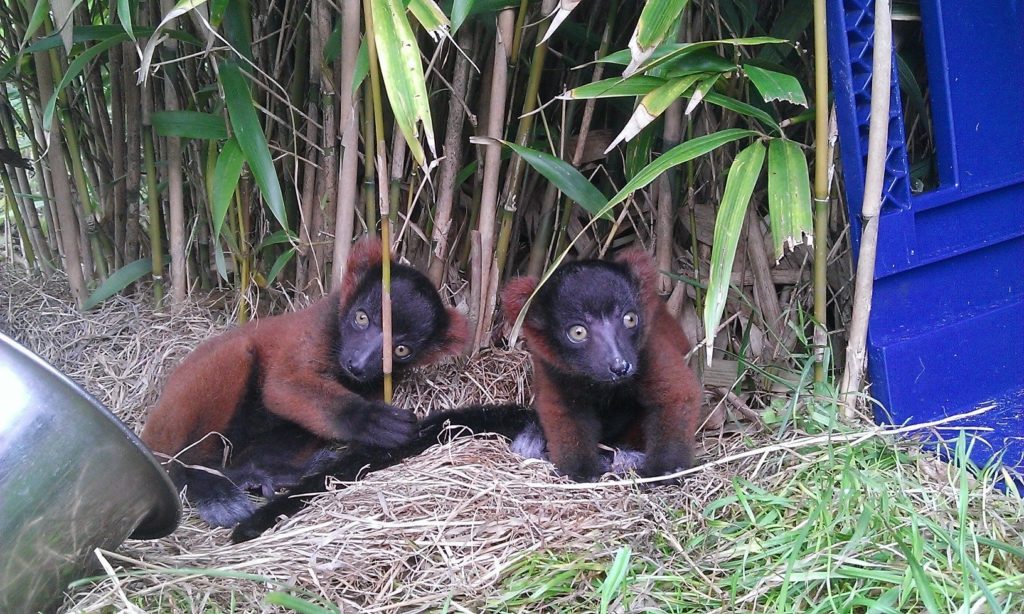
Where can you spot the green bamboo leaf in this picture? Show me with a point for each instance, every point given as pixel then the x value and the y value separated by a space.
pixel 566 178
pixel 251 139
pixel 280 263
pixel 74 69
pixel 189 124
pixel 658 19
pixel 332 48
pixel 85 34
pixel 652 106
pixel 362 67
pixel 225 180
pixel 431 17
pixel 561 13
pixel 676 51
pixel 700 60
pixel 789 196
pixel 220 262
pixel 637 85
pixel 124 15
pixel 744 109
pixel 402 73
pixel 39 13
pixel 739 185
pixel 684 152
pixel 118 281
pixel 276 238
pixel 461 9
pixel 776 85
pixel 699 92
pixel 182 7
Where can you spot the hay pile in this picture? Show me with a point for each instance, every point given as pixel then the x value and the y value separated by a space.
pixel 442 526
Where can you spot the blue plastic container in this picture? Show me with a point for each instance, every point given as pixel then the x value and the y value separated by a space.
pixel 946 333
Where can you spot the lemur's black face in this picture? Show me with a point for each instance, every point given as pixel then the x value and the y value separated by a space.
pixel 418 320
pixel 592 314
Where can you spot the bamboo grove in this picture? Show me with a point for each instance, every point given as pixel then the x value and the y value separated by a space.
pixel 240 147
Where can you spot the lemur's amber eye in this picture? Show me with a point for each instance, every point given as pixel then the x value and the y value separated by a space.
pixel 402 351
pixel 362 320
pixel 577 333
pixel 630 320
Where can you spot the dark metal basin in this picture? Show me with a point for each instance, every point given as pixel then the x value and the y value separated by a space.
pixel 72 478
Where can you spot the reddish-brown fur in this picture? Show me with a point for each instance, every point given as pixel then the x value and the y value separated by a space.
pixel 288 363
pixel 664 385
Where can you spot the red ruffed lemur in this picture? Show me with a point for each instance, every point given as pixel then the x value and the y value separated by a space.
pixel 609 369
pixel 257 407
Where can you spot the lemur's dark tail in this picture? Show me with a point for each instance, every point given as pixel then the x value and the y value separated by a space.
pixel 349 465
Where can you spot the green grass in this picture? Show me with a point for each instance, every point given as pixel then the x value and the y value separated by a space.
pixel 872 526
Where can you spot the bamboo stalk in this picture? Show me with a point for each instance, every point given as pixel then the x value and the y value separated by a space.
pixel 380 166
pixel 126 229
pixel 156 248
pixel 348 124
pixel 69 233
pixel 74 153
pixel 11 209
pixel 175 184
pixel 821 187
pixel 492 168
pixel 40 247
pixel 874 178
pixel 517 166
pixel 31 128
pixel 327 178
pixel 452 150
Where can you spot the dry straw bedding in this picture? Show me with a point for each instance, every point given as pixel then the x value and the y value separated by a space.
pixel 438 531
pixel 443 525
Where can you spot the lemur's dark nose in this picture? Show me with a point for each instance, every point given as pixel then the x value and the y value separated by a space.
pixel 620 367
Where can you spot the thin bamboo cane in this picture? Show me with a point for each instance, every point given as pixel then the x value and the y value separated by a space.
pixel 821 187
pixel 380 168
pixel 156 249
pixel 452 150
pixel 348 124
pixel 878 133
pixel 492 167
pixel 517 166
pixel 69 233
pixel 175 183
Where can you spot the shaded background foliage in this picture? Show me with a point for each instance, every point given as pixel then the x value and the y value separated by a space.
pixel 235 149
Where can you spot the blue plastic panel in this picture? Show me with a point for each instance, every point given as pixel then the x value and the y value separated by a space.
pixel 947 326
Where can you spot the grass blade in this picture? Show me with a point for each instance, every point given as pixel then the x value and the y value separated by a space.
pixel 251 140
pixel 616 577
pixel 739 186
pixel 789 196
